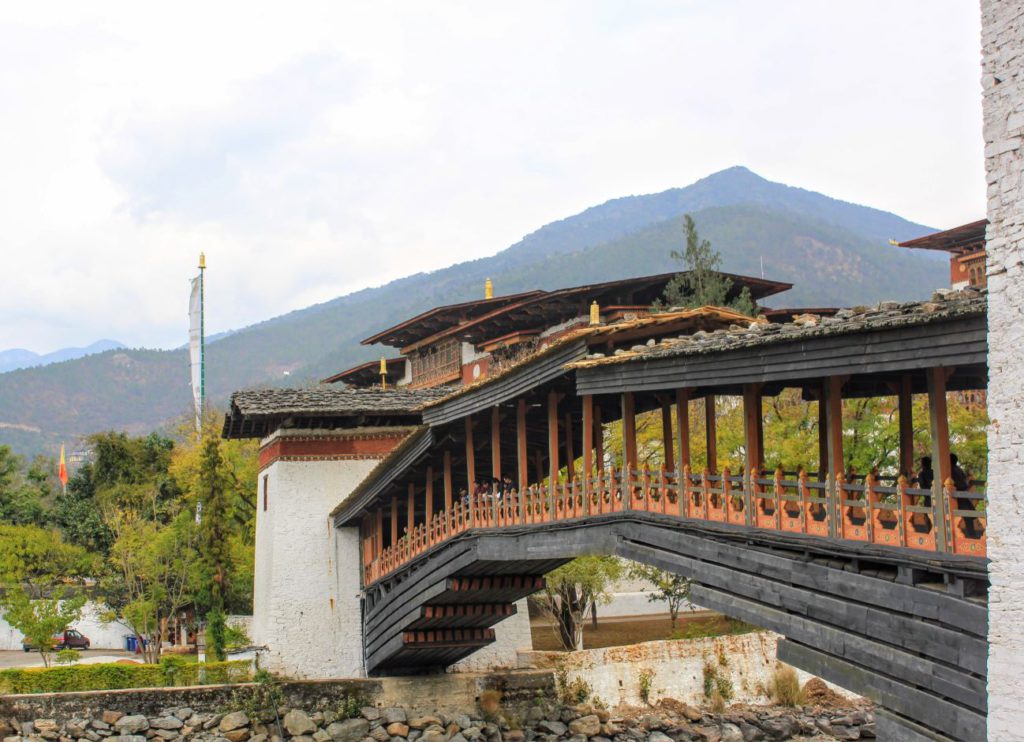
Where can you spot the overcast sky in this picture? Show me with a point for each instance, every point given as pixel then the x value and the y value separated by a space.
pixel 313 148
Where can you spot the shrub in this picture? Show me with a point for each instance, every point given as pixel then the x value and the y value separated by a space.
pixel 572 691
pixel 490 703
pixel 784 687
pixel 716 684
pixel 646 682
pixel 170 672
pixel 68 656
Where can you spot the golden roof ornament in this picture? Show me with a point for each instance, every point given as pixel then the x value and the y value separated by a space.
pixel 488 289
pixel 383 373
pixel 595 313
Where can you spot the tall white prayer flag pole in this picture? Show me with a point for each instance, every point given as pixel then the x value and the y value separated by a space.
pixel 197 343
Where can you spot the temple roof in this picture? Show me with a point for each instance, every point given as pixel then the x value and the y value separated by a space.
pixel 368 373
pixel 541 309
pixel 254 413
pixel 944 306
pixel 963 239
pixel 433 320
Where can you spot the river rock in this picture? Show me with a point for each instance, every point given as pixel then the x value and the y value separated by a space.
pixel 398 729
pixel 230 722
pixel 350 730
pixel 111 717
pixel 393 714
pixel 422 722
pixel 132 724
pixel 731 733
pixel 589 725
pixel 553 727
pixel 298 723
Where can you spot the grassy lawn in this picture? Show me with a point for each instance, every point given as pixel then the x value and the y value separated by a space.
pixel 617 632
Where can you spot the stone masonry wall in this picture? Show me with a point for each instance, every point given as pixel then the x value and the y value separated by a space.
pixel 511 636
pixel 306 602
pixel 1003 105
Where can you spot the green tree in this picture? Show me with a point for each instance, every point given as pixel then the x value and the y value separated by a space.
pixel 672 588
pixel 150 576
pixel 77 513
pixel 573 589
pixel 40 619
pixel 24 491
pixel 36 560
pixel 702 283
pixel 213 491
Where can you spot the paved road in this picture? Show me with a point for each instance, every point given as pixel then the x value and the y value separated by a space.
pixel 17 658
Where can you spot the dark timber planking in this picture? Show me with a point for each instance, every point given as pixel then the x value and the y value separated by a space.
pixel 958 722
pixel 930 643
pixel 549 366
pixel 959 342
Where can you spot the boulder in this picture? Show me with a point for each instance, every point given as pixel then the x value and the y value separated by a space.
pixel 553 727
pixel 97 724
pixel 731 733
pixel 350 730
pixel 132 724
pixel 393 714
pixel 183 713
pixel 422 722
pixel 298 723
pixel 370 713
pixel 380 734
pixel 658 737
pixel 589 726
pixel 173 722
pixel 45 725
pixel 321 736
pixel 237 735
pixel 128 738
pixel 398 729
pixel 111 717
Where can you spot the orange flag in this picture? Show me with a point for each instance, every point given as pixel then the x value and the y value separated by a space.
pixel 62 471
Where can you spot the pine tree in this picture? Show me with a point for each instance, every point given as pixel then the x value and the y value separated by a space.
pixel 214 547
pixel 702 283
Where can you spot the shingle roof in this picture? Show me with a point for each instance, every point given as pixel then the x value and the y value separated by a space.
pixel 943 306
pixel 251 409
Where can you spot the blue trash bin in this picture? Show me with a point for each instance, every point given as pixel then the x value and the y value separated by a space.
pixel 131 643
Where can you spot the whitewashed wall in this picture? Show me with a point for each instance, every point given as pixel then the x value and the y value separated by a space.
pixel 511 636
pixel 101 635
pixel 677 668
pixel 306 601
pixel 1003 104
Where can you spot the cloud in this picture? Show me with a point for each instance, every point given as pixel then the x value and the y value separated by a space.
pixel 322 147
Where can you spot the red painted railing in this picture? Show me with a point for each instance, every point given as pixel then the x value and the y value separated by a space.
pixel 887 516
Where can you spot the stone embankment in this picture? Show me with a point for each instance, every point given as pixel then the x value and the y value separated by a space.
pixel 539 719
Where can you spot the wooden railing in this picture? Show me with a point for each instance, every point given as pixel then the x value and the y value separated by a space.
pixel 928 520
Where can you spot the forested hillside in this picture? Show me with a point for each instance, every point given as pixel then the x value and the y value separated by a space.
pixel 835 253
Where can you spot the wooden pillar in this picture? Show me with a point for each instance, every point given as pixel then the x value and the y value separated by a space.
pixel 588 441
pixel 667 439
pixel 628 432
pixel 834 424
pixel 711 433
pixel 553 436
pixel 683 426
pixel 394 519
pixel 570 455
pixel 378 533
pixel 447 473
pixel 521 455
pixel 906 414
pixel 822 434
pixel 367 531
pixel 496 443
pixel 753 430
pixel 470 456
pixel 429 499
pixel 939 420
pixel 538 465
pixel 598 437
pixel 410 508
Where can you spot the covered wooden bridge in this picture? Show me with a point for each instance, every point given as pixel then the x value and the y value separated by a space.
pixel 878 587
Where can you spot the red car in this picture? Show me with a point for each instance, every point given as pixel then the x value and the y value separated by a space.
pixel 69 639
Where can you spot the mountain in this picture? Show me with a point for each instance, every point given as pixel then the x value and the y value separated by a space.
pixel 16 358
pixel 836 253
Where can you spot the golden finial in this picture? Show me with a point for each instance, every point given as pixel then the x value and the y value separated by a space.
pixel 595 313
pixel 383 373
pixel 202 260
pixel 488 289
